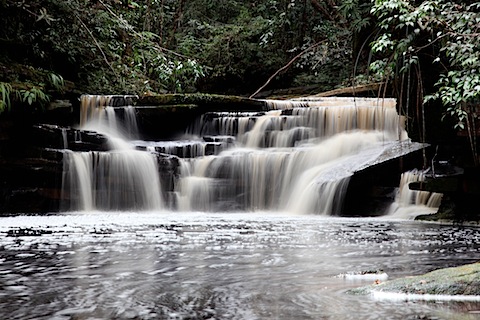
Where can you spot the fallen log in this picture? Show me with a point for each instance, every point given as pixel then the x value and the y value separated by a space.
pixel 352 91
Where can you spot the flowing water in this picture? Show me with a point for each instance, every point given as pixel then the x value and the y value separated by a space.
pixel 298 157
pixel 171 265
pixel 240 228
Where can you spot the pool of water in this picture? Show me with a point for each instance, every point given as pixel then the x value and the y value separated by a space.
pixel 165 265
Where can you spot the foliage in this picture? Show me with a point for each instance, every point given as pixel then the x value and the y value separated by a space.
pixel 356 13
pixel 56 81
pixel 96 46
pixel 5 90
pixel 33 95
pixel 448 32
pixel 176 46
pixel 443 33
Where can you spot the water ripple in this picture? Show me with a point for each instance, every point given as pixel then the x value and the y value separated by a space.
pixel 165 266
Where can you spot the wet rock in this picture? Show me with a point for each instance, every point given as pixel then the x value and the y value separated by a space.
pixel 60 104
pixel 223 139
pixel 169 171
pixel 463 280
pixel 22 232
pixel 29 200
pixel 205 101
pixel 56 137
pixel 214 148
pixel 48 136
pixel 461 189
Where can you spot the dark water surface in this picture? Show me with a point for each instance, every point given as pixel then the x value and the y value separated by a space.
pixel 220 266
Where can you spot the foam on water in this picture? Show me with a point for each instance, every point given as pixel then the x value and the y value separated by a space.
pixel 393 296
pixel 151 265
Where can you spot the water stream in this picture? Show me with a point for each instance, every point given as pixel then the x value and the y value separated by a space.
pixel 171 265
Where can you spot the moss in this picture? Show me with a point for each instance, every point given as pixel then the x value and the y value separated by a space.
pixel 169 107
pixel 463 280
pixel 204 101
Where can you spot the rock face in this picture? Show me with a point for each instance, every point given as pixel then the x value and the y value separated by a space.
pixel 461 189
pixel 31 174
pixel 32 166
pixel 463 280
pixel 207 102
pixel 167 115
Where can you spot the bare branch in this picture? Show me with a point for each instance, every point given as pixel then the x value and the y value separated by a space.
pixel 96 43
pixel 285 67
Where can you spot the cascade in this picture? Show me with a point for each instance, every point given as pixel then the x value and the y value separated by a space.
pixel 113 115
pixel 407 202
pixel 120 179
pixel 296 157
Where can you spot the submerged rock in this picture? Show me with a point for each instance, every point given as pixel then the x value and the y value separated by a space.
pixel 458 281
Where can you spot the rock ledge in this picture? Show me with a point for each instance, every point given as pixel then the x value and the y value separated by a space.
pixel 459 283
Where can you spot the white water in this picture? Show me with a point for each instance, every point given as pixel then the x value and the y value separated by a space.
pixel 116 180
pixel 296 158
pixel 410 203
pixel 120 179
pixel 422 297
pixel 308 179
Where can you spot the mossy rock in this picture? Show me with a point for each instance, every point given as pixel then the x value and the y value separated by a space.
pixel 167 108
pixel 205 101
pixel 463 280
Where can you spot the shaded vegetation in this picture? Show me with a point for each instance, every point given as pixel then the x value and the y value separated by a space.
pixel 430 51
pixel 426 53
pixel 173 46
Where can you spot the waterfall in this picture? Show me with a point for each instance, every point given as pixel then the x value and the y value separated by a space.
pixel 301 123
pixel 306 179
pixel 298 157
pixel 64 138
pixel 120 179
pixel 408 202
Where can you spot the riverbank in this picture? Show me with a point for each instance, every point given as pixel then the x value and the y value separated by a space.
pixel 458 283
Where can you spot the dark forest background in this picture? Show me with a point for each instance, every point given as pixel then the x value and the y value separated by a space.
pixel 424 53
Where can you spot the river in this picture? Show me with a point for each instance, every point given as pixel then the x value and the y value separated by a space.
pixel 193 265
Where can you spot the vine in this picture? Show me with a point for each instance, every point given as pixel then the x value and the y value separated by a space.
pixel 444 33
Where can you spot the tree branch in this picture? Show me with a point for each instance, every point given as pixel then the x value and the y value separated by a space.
pixel 285 67
pixel 96 43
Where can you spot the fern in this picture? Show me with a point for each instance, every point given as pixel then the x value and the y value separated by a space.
pixel 5 90
pixel 34 95
pixel 56 81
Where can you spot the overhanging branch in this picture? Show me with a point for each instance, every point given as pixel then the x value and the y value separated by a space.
pixel 285 67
